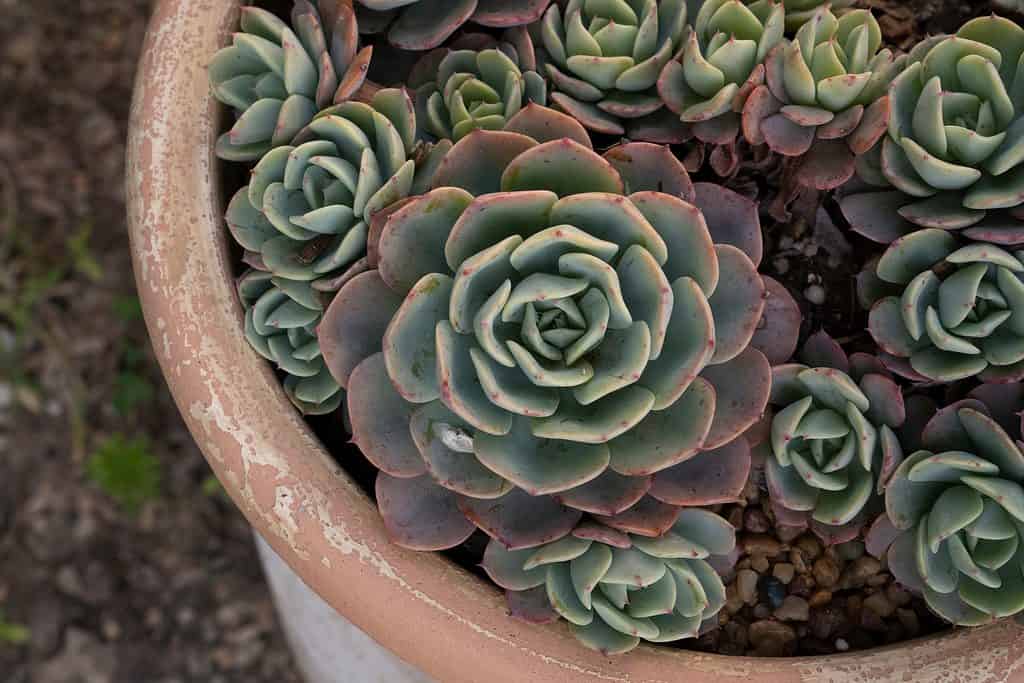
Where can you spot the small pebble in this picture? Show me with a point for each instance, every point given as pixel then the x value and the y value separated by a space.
pixel 746 584
pixel 821 598
pixel 826 572
pixel 858 572
pixel 736 518
pixel 784 572
pixel 850 551
pixel 733 601
pixel 788 534
pixel 878 580
pixel 825 622
pixel 756 521
pixel 854 605
pixel 880 605
pixel 793 609
pixel 760 544
pixel 762 612
pixel 815 294
pixel 771 638
pixel 872 621
pixel 802 585
pixel 760 564
pixel 897 595
pixel 773 591
pixel 796 557
pixel 908 618
pixel 842 645
pixel 809 546
pixel 781 265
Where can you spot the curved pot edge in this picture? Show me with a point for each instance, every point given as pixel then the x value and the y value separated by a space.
pixel 288 487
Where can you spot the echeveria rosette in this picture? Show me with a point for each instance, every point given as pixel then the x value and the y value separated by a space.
pixel 280 324
pixel 952 156
pixel 833 437
pixel 425 24
pixel 277 77
pixel 307 207
pixel 799 12
pixel 603 58
pixel 958 506
pixel 720 65
pixel 825 99
pixel 525 255
pixel 956 308
pixel 617 589
pixel 476 89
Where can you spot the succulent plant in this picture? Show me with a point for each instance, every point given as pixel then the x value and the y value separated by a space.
pixel 952 154
pixel 548 333
pixel 832 434
pixel 281 316
pixel 277 77
pixel 616 589
pixel 825 98
pixel 956 309
pixel 466 89
pixel 720 65
pixel 306 210
pixel 604 58
pixel 959 507
pixel 425 24
pixel 799 12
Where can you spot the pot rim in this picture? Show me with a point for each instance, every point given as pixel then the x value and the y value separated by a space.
pixel 304 504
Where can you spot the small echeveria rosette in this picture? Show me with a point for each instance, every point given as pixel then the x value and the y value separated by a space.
pixel 306 211
pixel 799 12
pixel 958 509
pixel 277 77
pixel 721 63
pixel 948 309
pixel 460 90
pixel 952 156
pixel 617 589
pixel 603 60
pixel 825 99
pixel 549 333
pixel 425 24
pixel 833 438
pixel 281 317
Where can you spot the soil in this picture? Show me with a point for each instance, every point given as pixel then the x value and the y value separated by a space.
pixel 172 592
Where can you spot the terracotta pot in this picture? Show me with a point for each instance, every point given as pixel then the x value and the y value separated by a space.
pixel 433 614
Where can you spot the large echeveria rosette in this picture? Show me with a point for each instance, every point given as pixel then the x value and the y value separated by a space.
pixel 952 309
pixel 603 59
pixel 833 438
pixel 306 211
pixel 277 76
pixel 616 589
pixel 720 65
pixel 551 344
pixel 952 156
pixel 958 508
pixel 825 98
pixel 425 24
pixel 281 317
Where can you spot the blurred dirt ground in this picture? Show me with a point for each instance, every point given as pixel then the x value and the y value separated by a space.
pixel 164 586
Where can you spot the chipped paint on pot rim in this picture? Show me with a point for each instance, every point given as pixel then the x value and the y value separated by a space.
pixel 306 506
